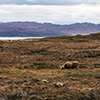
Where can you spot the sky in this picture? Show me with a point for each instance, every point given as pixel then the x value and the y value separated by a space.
pixel 50 11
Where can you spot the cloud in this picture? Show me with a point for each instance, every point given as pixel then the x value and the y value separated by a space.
pixel 54 14
pixel 63 2
pixel 49 2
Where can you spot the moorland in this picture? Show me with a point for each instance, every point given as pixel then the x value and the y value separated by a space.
pixel 29 69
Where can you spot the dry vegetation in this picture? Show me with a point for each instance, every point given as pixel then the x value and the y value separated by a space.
pixel 29 69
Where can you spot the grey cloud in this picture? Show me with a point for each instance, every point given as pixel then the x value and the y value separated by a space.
pixel 53 14
pixel 62 2
pixel 18 2
pixel 49 2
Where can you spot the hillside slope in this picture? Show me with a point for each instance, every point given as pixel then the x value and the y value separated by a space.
pixel 46 29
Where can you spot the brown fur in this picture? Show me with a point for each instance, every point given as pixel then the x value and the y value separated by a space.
pixel 69 64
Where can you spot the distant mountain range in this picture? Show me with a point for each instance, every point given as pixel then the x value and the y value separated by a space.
pixel 34 29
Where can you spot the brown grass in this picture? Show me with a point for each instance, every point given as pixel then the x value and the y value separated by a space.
pixel 24 63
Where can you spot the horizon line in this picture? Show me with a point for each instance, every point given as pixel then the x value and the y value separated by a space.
pixel 47 22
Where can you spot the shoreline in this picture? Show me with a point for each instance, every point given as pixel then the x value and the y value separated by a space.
pixel 18 38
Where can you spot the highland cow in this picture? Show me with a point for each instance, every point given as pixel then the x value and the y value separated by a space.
pixel 69 65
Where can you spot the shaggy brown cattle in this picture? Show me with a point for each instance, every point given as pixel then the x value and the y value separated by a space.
pixel 69 64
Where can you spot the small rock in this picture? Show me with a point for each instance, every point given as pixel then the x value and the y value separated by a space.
pixel 58 84
pixel 44 80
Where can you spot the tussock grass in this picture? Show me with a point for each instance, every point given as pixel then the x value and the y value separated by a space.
pixel 25 63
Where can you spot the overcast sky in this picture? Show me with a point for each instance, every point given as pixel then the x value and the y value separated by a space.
pixel 53 11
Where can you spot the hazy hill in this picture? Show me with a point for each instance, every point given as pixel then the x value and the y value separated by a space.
pixel 46 29
pixel 11 31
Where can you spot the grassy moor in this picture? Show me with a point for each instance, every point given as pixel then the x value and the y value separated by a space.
pixel 29 69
